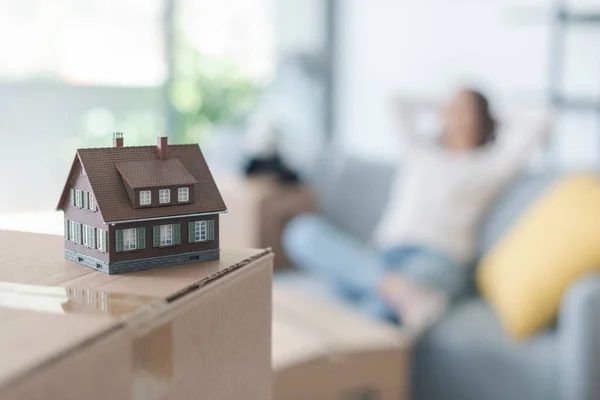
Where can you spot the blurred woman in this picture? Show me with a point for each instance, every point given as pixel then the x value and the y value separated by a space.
pixel 426 239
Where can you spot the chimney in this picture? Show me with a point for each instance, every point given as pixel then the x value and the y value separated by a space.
pixel 163 143
pixel 117 139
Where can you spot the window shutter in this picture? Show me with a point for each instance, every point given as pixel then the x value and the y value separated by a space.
pixel 210 228
pixel 103 233
pixel 141 238
pixel 85 199
pixel 191 232
pixel 92 242
pixel 156 236
pixel 176 233
pixel 72 196
pixel 119 239
pixel 79 233
pixel 98 239
pixel 66 229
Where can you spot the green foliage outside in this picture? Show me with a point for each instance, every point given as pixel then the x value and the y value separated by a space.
pixel 207 92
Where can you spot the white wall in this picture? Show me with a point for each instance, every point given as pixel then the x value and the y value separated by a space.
pixel 428 47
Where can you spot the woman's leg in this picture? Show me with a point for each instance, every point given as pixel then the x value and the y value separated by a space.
pixel 316 246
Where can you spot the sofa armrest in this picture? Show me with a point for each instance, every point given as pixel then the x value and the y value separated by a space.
pixel 579 338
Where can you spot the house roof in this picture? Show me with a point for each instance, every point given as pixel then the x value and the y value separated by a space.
pixel 155 173
pixel 100 165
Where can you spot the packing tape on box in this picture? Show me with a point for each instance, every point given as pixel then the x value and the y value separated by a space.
pixel 152 349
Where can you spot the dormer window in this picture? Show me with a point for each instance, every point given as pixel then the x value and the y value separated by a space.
pixel 164 196
pixel 145 197
pixel 183 195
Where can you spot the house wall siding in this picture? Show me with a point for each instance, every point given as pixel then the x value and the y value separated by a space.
pixel 150 251
pixel 84 216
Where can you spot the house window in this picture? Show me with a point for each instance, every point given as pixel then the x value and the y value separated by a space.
pixel 75 232
pixel 78 198
pixel 200 231
pixel 145 198
pixel 101 240
pixel 166 235
pixel 89 236
pixel 129 239
pixel 72 225
pixel 164 196
pixel 183 194
pixel 91 203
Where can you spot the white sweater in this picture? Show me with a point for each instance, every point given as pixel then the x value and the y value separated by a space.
pixel 440 197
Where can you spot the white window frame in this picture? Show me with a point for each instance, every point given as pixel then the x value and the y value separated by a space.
pixel 145 197
pixel 72 230
pixel 91 201
pixel 78 199
pixel 86 235
pixel 166 235
pixel 75 232
pixel 183 194
pixel 200 231
pixel 129 239
pixel 164 196
pixel 100 240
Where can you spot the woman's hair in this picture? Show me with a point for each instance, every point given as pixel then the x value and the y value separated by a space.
pixel 487 132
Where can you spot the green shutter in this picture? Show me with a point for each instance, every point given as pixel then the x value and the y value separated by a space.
pixel 156 236
pixel 92 243
pixel 85 199
pixel 191 232
pixel 119 238
pixel 210 227
pixel 72 196
pixel 141 238
pixel 80 234
pixel 176 233
pixel 66 229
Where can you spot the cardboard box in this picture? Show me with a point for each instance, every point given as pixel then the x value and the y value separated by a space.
pixel 259 208
pixel 323 351
pixel 185 332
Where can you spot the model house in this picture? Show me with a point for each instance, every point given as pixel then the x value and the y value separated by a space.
pixel 133 208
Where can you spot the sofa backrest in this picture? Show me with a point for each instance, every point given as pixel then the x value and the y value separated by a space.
pixel 352 194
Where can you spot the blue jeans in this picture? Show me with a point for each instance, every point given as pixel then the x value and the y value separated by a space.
pixel 355 270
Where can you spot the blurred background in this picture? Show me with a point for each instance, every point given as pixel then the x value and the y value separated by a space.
pixel 202 71
pixel 305 89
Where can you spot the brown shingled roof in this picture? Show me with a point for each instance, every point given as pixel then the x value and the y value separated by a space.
pixel 155 173
pixel 100 165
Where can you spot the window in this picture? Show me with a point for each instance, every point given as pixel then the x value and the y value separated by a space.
pixel 75 232
pixel 91 203
pixel 145 198
pixel 101 240
pixel 129 239
pixel 89 236
pixel 164 196
pixel 72 231
pixel 200 231
pixel 183 194
pixel 78 198
pixel 166 235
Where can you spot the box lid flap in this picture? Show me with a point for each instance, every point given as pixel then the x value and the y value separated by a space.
pixel 334 329
pixel 50 306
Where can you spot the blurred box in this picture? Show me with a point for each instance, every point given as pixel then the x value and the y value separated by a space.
pixel 324 351
pixel 193 331
pixel 258 209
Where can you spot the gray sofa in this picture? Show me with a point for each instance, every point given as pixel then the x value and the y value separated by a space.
pixel 467 356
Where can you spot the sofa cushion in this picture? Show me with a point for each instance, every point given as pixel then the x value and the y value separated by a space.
pixel 468 356
pixel 510 205
pixel 352 193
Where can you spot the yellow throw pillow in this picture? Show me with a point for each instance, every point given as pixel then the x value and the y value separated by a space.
pixel 555 243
